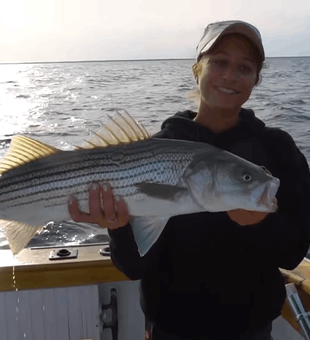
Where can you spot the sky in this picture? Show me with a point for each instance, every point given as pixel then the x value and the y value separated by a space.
pixel 74 30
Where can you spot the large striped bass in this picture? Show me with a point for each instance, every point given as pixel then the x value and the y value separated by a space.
pixel 157 178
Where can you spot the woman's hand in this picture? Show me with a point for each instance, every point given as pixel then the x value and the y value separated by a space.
pixel 113 215
pixel 244 217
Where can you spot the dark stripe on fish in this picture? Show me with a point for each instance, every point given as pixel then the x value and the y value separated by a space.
pixel 16 179
pixel 93 174
pixel 66 196
pixel 56 170
pixel 160 164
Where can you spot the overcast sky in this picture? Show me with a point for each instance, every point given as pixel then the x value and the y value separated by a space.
pixel 69 30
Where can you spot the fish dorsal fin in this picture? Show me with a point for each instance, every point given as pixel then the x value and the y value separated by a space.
pixel 24 150
pixel 119 129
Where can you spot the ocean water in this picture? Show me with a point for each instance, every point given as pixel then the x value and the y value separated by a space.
pixel 57 103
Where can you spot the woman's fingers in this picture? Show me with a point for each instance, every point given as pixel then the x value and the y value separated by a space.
pixel 95 211
pixel 122 211
pixel 115 208
pixel 75 213
pixel 104 209
pixel 108 203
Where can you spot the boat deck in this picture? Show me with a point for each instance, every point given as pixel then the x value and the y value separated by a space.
pixel 33 270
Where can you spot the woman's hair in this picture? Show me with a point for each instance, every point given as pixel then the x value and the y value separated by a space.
pixel 195 94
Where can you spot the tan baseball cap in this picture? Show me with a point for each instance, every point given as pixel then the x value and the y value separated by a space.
pixel 218 29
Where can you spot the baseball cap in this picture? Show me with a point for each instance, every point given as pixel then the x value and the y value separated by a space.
pixel 218 29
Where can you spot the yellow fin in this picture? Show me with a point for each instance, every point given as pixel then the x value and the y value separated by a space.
pixel 120 129
pixel 18 234
pixel 24 150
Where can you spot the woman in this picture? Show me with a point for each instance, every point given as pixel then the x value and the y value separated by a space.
pixel 219 282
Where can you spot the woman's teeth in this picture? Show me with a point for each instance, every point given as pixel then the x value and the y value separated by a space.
pixel 229 91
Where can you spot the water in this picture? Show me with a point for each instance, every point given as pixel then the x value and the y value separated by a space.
pixel 58 103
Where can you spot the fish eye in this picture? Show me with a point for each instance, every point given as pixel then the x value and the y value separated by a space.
pixel 247 177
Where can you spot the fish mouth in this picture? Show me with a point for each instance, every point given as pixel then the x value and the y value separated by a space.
pixel 268 198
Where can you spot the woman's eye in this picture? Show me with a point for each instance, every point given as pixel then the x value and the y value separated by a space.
pixel 220 62
pixel 245 69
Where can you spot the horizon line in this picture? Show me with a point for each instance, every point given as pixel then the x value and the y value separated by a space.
pixel 116 60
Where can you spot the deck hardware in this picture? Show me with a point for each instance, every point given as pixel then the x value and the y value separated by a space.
pixel 105 251
pixel 64 253
pixel 113 324
pixel 302 316
pixel 296 305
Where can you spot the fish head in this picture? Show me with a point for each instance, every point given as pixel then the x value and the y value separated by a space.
pixel 226 182
pixel 249 187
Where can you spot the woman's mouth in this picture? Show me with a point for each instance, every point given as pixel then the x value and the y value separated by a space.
pixel 227 91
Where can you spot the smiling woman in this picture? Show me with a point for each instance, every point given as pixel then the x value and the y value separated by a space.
pixel 227 75
pixel 179 295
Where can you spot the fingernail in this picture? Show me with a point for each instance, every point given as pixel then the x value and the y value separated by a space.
pixel 117 198
pixel 94 186
pixel 105 187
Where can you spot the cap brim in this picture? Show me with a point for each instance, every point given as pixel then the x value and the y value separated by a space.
pixel 236 28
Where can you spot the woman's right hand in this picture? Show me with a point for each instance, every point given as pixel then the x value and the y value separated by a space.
pixel 113 215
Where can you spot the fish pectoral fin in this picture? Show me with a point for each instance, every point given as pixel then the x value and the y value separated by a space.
pixel 162 191
pixel 18 234
pixel 146 231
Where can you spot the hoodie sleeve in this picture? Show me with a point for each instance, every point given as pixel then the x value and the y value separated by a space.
pixel 125 255
pixel 165 133
pixel 124 252
pixel 283 237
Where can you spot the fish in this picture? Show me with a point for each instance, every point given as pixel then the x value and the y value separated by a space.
pixel 157 178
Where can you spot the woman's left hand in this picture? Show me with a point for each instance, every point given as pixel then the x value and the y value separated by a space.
pixel 245 217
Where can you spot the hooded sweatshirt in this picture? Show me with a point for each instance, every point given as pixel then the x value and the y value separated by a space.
pixel 207 276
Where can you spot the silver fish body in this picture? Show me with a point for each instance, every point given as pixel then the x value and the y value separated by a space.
pixel 45 185
pixel 158 178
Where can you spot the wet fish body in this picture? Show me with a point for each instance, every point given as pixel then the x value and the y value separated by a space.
pixel 158 178
pixel 46 184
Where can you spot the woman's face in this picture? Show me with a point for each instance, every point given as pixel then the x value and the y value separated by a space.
pixel 228 74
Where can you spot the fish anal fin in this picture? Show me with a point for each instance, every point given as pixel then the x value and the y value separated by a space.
pixel 161 191
pixel 24 150
pixel 146 231
pixel 18 234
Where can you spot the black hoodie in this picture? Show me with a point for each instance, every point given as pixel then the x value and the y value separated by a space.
pixel 208 276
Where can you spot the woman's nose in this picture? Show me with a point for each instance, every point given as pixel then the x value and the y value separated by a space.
pixel 231 74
